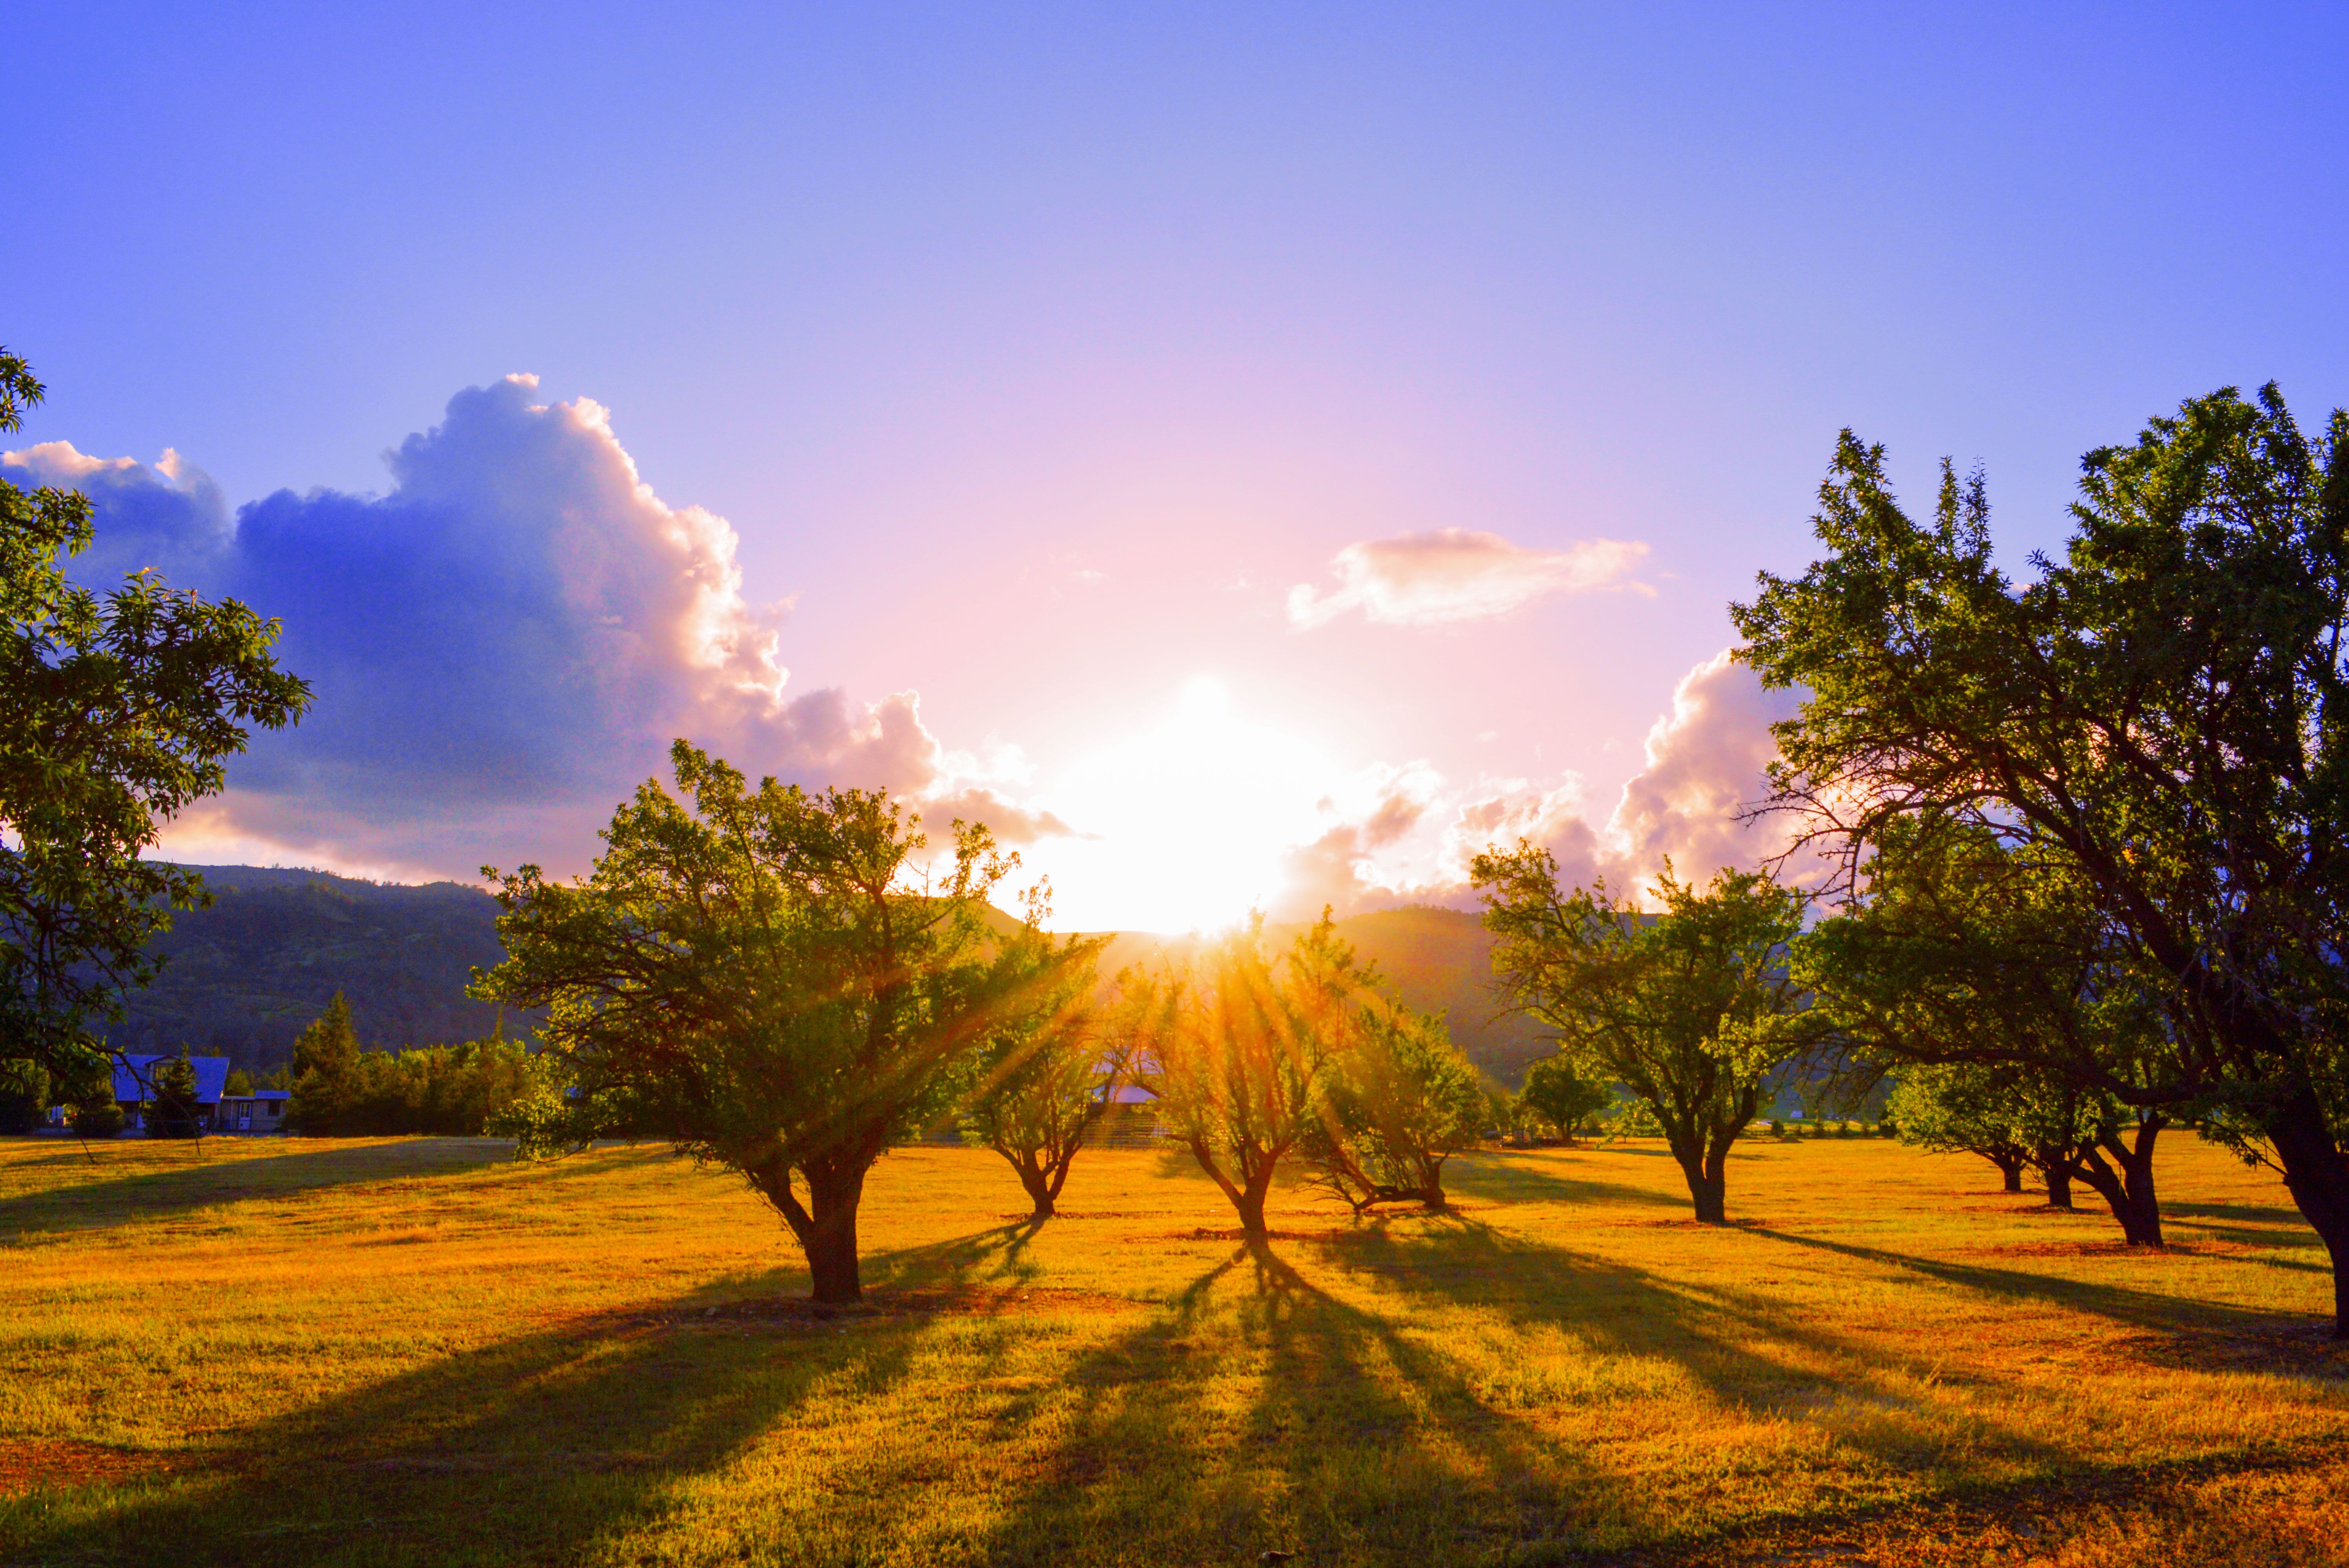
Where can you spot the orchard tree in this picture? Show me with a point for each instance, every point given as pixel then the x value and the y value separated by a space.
pixel 1958 1110
pixel 1560 1098
pixel 773 979
pixel 1691 1008
pixel 1967 947
pixel 1401 1102
pixel 116 712
pixel 1051 1066
pixel 2162 714
pixel 1241 1047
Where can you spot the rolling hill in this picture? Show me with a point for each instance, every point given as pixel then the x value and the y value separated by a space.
pixel 241 978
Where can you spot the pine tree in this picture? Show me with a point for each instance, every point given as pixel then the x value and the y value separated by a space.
pixel 325 1060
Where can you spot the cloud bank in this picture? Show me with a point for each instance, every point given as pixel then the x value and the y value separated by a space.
pixel 1452 576
pixel 1704 762
pixel 503 645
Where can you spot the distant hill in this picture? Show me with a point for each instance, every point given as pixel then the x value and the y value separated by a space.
pixel 243 977
pixel 1434 960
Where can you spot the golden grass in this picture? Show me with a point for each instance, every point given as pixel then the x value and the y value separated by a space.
pixel 416 1351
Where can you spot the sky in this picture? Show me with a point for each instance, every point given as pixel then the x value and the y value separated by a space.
pixel 1250 456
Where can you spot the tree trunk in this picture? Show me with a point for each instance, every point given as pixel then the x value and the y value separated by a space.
pixel 2318 1179
pixel 2127 1185
pixel 2009 1168
pixel 826 1226
pixel 1707 1185
pixel 1040 1192
pixel 2055 1166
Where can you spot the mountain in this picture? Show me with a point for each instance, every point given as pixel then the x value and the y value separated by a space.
pixel 243 977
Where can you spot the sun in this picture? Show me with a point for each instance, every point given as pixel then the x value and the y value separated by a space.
pixel 1188 820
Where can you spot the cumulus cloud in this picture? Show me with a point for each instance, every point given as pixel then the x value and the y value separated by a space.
pixel 1452 575
pixel 1704 762
pixel 501 646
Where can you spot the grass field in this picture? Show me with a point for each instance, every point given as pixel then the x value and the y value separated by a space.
pixel 417 1351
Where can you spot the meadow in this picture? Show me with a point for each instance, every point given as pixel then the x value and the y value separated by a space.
pixel 418 1351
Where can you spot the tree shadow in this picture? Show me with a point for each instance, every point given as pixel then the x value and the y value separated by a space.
pixel 111 1196
pixel 1515 1183
pixel 554 1445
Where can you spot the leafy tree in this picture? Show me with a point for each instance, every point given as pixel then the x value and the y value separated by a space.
pixel 769 978
pixel 1048 1070
pixel 1560 1098
pixel 2158 715
pixel 1400 1103
pixel 170 1109
pixel 1240 1050
pixel 96 1112
pixel 240 1082
pixel 24 1095
pixel 1688 1008
pixel 1966 948
pixel 115 715
pixel 325 1062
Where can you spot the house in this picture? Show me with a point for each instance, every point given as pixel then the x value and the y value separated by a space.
pixel 134 1083
pixel 263 1110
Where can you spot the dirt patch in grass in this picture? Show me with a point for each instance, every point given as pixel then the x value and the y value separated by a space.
pixel 29 1464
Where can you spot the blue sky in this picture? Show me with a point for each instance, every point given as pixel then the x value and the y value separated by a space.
pixel 1035 358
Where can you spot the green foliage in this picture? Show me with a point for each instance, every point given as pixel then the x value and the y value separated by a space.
pixel 1241 1048
pixel 96 1112
pixel 325 1065
pixel 1048 1069
pixel 1691 1009
pixel 240 1082
pixel 169 1107
pixel 2159 723
pixel 24 1095
pixel 1557 1096
pixel 1400 1102
pixel 118 712
pixel 769 978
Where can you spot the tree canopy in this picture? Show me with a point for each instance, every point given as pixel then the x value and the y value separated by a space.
pixel 773 979
pixel 1687 1007
pixel 2159 716
pixel 116 712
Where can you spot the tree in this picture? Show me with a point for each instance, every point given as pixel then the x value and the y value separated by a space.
pixel 239 1083
pixel 24 1095
pixel 1964 948
pixel 1050 1070
pixel 2160 715
pixel 1400 1102
pixel 1689 1008
pixel 772 978
pixel 1958 1110
pixel 170 1109
pixel 96 1112
pixel 1560 1098
pixel 115 715
pixel 325 1062
pixel 1240 1050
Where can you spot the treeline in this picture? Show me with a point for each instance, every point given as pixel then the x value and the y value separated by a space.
pixel 341 1090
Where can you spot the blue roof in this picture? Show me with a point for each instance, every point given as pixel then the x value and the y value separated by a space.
pixel 133 1075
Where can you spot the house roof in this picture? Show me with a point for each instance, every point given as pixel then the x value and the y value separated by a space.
pixel 134 1075
pixel 261 1094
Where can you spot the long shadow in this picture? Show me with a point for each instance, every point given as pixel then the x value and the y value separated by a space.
pixel 111 1197
pixel 551 1447
pixel 2139 1309
pixel 1514 1184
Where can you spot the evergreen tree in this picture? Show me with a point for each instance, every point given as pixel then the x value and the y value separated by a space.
pixel 325 1062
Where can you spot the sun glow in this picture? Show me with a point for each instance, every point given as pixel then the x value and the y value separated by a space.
pixel 1190 820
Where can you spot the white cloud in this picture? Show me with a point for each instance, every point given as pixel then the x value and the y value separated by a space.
pixel 503 645
pixel 1452 575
